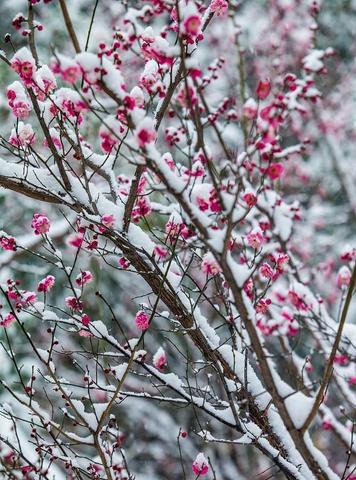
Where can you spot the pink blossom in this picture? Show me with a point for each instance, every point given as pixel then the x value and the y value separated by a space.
pixel 142 320
pixel 85 319
pixel 75 240
pixel 83 278
pixel 108 220
pixel 160 358
pixel 250 198
pixel 275 170
pixel 266 271
pixel 219 6
pixel 263 89
pixel 352 380
pixel 250 109
pixel 8 243
pixel 145 133
pixel 7 320
pixel 160 251
pixel 255 239
pixel 40 223
pixel 24 64
pixel 209 265
pixel 343 277
pixel 46 284
pixel 22 136
pixel 327 425
pixel 200 465
pixel 73 304
pixel 124 263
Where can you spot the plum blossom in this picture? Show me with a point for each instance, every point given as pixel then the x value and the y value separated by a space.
pixel 7 320
pixel 210 265
pixel 275 170
pixel 22 136
pixel 40 224
pixel 142 320
pixel 200 465
pixel 18 100
pixel 219 7
pixel 145 133
pixel 8 243
pixel 84 278
pixel 255 239
pixel 46 284
pixel 250 109
pixel 263 89
pixel 24 64
pixel 343 277
pixel 160 358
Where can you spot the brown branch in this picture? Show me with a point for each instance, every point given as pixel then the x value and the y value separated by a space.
pixel 329 367
pixel 69 26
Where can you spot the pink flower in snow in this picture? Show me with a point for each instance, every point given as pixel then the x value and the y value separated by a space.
pixel 275 170
pixel 23 135
pixel 108 220
pixel 46 284
pixel 255 239
pixel 85 320
pixel 352 380
pixel 73 304
pixel 40 223
pixel 142 320
pixel 250 109
pixel 83 278
pixel 160 251
pixel 210 265
pixel 160 358
pixel 343 277
pixel 24 64
pixel 200 465
pixel 250 198
pixel 8 243
pixel 145 133
pixel 263 89
pixel 7 320
pixel 218 6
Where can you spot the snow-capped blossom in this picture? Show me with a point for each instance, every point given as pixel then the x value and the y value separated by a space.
pixel 275 170
pixel 18 100
pixel 67 68
pixel 124 263
pixel 142 320
pixel 250 108
pixel 327 424
pixel 343 277
pixel 250 198
pixel 24 64
pixel 40 224
pixel 341 360
pixel 28 298
pixel 262 305
pixel 266 271
pixel 75 240
pixel 155 47
pixel 150 79
pixel 108 220
pixel 255 239
pixel 160 358
pixel 141 209
pixel 110 132
pixel 160 251
pixel 219 7
pixel 56 139
pixel 137 94
pixel 8 243
pixel 145 132
pixel 263 89
pixel 85 319
pixel 7 320
pixel 45 82
pixel 46 284
pixel 73 304
pixel 22 136
pixel 191 22
pixel 70 103
pixel 209 265
pixel 200 465
pixel 297 300
pixel 83 278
